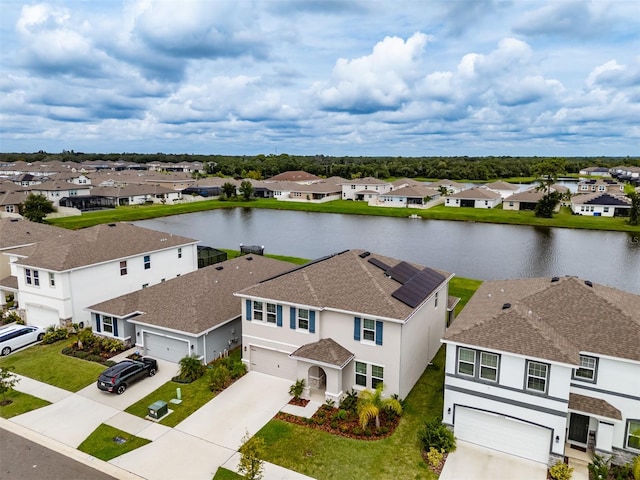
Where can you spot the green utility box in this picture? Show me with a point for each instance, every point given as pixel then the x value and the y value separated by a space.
pixel 158 409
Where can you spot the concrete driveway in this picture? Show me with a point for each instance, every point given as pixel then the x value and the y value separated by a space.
pixel 471 461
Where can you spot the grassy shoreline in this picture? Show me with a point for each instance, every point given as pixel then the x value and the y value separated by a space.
pixel 564 219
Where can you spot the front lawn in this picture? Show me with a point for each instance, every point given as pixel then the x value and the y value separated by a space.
pixel 102 443
pixel 20 403
pixel 224 474
pixel 46 364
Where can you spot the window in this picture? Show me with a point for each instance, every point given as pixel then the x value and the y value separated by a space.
pixel 435 302
pixel 145 285
pixel 27 276
pixel 271 313
pixel 489 366
pixel 606 209
pixel 52 279
pixel 123 267
pixel 361 374
pixel 257 311
pixel 147 262
pixel 587 369
pixel 369 330
pixel 9 209
pixel 537 374
pixel 107 324
pixel 32 277
pixel 377 375
pixel 179 252
pixel 303 319
pixel 466 361
pixel 633 434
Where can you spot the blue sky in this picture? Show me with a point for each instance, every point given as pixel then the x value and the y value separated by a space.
pixel 341 77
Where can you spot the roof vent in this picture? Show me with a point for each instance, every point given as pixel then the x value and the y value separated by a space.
pixel 219 268
pixel 506 305
pixel 13 220
pixel 111 224
pixel 364 254
pixel 249 259
pixel 588 283
pixel 555 279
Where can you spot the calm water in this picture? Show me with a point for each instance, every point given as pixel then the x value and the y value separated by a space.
pixel 475 250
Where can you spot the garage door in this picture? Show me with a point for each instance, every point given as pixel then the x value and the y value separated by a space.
pixel 273 363
pixel 165 348
pixel 503 434
pixel 43 317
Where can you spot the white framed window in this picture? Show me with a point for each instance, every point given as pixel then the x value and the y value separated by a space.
pixel 435 301
pixel 377 375
pixel 537 376
pixel 303 319
pixel 179 252
pixel 587 369
pixel 466 362
pixel 9 209
pixel 257 311
pixel 52 279
pixel 271 313
pixel 369 330
pixel 606 209
pixel 147 262
pixel 107 324
pixel 633 434
pixel 489 366
pixel 361 374
pixel 123 267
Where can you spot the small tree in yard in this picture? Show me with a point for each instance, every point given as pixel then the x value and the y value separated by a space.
pixel 191 368
pixel 634 212
pixel 36 207
pixel 251 465
pixel 8 380
pixel 297 389
pixel 228 190
pixel 246 189
pixel 371 404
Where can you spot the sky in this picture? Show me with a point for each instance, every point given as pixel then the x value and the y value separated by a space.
pixel 338 77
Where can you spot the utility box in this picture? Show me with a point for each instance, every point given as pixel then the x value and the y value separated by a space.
pixel 158 409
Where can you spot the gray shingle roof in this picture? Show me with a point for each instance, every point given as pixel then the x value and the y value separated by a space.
pixel 198 301
pixel 551 320
pixel 477 193
pixel 595 406
pixel 326 350
pixel 344 281
pixel 98 244
pixel 15 232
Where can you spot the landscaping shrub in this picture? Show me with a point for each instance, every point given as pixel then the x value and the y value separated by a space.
pixel 220 378
pixel 434 457
pixel 55 334
pixel 350 401
pixel 340 414
pixel 435 434
pixel 191 368
pixel 599 467
pixel 561 471
pixel 297 389
pixel 10 317
pixel 635 467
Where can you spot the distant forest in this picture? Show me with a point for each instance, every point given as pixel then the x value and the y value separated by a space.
pixel 265 166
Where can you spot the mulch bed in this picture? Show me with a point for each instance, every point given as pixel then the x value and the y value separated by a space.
pixel 325 419
pixel 438 469
pixel 299 402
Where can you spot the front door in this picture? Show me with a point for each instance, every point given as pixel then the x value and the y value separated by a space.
pixel 578 428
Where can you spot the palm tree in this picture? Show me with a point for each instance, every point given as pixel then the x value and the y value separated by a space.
pixel 370 404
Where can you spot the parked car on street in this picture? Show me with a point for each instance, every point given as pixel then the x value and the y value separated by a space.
pixel 16 336
pixel 117 378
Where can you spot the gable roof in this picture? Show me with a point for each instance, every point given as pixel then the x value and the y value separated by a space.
pixel 198 301
pixel 601 198
pixel 294 176
pixel 15 232
pixel 326 351
pixel 349 281
pixel 553 320
pixel 98 244
pixel 477 193
pixel 412 191
pixel 500 185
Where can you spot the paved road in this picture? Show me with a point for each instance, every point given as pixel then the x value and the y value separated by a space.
pixel 22 459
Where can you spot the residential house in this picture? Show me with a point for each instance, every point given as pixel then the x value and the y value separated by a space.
pixel 503 188
pixel 366 189
pixel 55 190
pixel 601 205
pixel 528 199
pixel 418 196
pixel 533 365
pixel 600 185
pixel 11 198
pixel 59 277
pixel 450 185
pixel 297 176
pixel 351 320
pixel 477 197
pixel 194 314
pixel 317 192
pixel 596 171
pixel 137 194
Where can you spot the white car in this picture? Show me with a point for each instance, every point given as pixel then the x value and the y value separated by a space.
pixel 16 336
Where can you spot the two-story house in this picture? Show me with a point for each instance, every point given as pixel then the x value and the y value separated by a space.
pixel 348 321
pixel 366 189
pixel 535 365
pixel 59 277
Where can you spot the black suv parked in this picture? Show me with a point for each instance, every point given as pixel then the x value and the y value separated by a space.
pixel 122 374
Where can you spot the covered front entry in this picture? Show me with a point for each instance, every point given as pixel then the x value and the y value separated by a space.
pixel 578 429
pixel 164 347
pixel 317 378
pixel 273 363
pixel 502 433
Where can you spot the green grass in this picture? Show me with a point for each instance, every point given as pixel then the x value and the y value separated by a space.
pixel 463 288
pixel 224 474
pixel 46 364
pixel 100 443
pixel 20 403
pixel 296 260
pixel 563 219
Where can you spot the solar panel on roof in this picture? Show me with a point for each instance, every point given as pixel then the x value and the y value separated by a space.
pixel 419 287
pixel 379 264
pixel 403 272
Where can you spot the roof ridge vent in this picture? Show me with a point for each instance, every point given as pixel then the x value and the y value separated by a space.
pixel 220 267
pixel 588 283
pixel 364 254
pixel 506 306
pixel 111 224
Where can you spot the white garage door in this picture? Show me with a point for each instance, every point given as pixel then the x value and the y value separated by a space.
pixel 503 434
pixel 165 348
pixel 273 363
pixel 43 317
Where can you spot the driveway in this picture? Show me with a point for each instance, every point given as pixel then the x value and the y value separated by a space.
pixel 478 463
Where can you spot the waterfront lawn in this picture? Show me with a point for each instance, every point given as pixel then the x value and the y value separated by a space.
pixel 101 443
pixel 46 364
pixel 463 288
pixel 20 403
pixel 296 260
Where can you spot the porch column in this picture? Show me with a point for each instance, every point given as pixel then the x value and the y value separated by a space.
pixel 604 436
